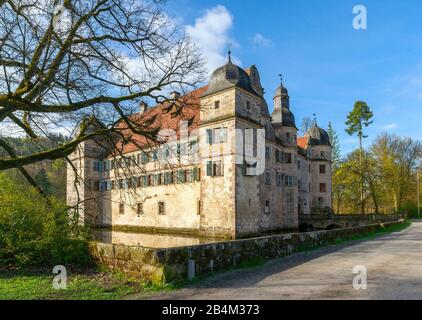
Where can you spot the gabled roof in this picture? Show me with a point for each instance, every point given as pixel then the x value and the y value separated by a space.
pixel 167 115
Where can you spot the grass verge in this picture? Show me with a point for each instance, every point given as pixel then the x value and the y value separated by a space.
pixel 85 284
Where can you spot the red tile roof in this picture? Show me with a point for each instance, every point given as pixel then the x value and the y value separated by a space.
pixel 302 142
pixel 163 116
pixel 167 116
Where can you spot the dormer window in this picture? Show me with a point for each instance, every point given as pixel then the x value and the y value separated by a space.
pixel 217 104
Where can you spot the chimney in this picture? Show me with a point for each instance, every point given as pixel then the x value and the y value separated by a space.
pixel 143 106
pixel 174 95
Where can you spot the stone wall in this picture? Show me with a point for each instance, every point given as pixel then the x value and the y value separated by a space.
pixel 322 221
pixel 181 263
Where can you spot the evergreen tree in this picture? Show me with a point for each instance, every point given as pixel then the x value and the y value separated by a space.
pixel 335 143
pixel 42 180
pixel 357 119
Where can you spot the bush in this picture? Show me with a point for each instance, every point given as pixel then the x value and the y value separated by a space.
pixel 411 210
pixel 34 233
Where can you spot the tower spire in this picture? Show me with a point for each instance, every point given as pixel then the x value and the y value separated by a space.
pixel 230 54
pixel 281 79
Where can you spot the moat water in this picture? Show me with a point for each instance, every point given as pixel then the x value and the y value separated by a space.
pixel 149 240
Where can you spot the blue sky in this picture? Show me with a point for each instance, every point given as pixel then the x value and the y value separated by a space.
pixel 327 64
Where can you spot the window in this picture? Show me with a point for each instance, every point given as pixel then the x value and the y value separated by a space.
pixel 248 106
pixel 121 208
pixel 217 135
pixel 215 168
pixel 145 181
pixel 288 157
pixel 268 177
pixel 144 158
pixel 155 155
pixel 322 154
pixel 158 180
pixel 322 187
pixel 220 135
pixel 309 168
pixel 181 178
pixel 279 156
pixel 161 208
pixel 288 181
pixel 322 168
pixel 217 104
pixel 299 183
pixel 188 176
pixel 98 166
pixel 209 136
pixel 279 178
pixel 298 164
pixel 107 165
pixel 140 209
pixel 168 178
pixel 288 137
pixel 267 152
pixel 103 185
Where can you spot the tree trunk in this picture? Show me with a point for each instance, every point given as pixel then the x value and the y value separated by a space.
pixel 374 198
pixel 362 201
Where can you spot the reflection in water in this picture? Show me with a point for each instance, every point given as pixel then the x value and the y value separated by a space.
pixel 148 240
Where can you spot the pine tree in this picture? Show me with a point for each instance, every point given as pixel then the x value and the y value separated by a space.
pixel 335 143
pixel 42 180
pixel 357 119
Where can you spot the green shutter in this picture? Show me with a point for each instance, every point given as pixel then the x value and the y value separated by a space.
pixel 209 169
pixel 209 136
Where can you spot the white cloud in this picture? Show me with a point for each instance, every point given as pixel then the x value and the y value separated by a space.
pixel 390 126
pixel 211 34
pixel 261 41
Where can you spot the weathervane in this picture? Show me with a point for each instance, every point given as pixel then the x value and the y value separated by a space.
pixel 281 78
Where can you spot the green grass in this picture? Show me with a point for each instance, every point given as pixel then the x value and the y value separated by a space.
pixel 81 285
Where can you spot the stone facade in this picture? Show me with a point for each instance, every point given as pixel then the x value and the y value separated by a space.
pixel 213 193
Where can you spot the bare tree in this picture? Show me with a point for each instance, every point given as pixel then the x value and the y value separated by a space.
pixel 65 65
pixel 306 125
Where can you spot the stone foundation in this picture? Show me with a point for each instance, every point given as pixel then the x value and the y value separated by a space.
pixel 164 265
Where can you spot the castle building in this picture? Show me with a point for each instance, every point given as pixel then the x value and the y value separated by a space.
pixel 200 182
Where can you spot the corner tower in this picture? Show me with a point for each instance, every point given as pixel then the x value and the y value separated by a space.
pixel 319 152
